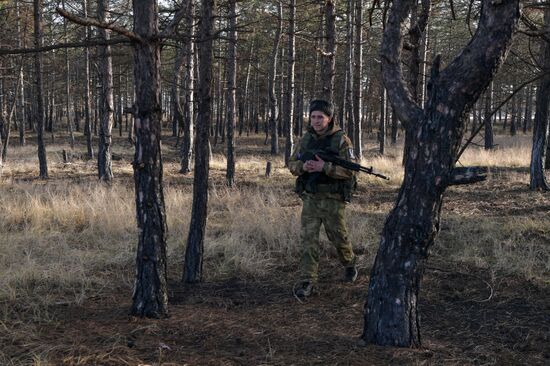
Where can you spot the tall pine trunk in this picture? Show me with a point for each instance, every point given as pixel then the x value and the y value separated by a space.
pixel 38 40
pixel 290 90
pixel 540 131
pixel 87 92
pixel 357 80
pixel 104 159
pixel 273 109
pixel 192 271
pixel 231 89
pixel 150 297
pixel 188 93
pixel 329 57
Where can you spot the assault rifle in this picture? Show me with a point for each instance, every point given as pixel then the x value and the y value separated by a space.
pixel 334 159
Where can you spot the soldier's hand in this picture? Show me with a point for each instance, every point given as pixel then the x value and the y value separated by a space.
pixel 316 165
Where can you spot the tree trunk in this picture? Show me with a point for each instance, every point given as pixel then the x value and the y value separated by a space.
pixel 394 127
pixel 175 102
pixel 488 120
pixel 418 40
pixel 192 271
pixel 38 40
pixel 382 125
pixel 68 83
pixel 273 109
pixel 329 56
pixel 21 100
pixel 537 179
pixel 528 109
pixel 188 109
pixel 514 116
pixel 289 104
pixel 150 297
pixel 231 88
pixel 87 99
pixel 104 162
pixel 391 312
pixel 357 81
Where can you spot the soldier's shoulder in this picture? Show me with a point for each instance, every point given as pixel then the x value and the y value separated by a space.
pixel 345 141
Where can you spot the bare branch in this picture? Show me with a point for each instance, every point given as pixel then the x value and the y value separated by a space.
pixel 408 111
pixel 501 104
pixel 96 23
pixel 19 51
pixel 170 29
pixel 479 60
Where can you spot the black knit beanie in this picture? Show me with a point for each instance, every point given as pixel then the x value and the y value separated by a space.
pixel 321 105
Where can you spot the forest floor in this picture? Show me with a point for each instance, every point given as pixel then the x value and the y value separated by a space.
pixel 485 296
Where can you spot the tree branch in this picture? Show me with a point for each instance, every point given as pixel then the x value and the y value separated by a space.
pixel 96 23
pixel 170 29
pixel 407 110
pixel 482 125
pixel 469 74
pixel 18 51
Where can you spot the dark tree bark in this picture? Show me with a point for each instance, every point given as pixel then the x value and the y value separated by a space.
pixel 357 80
pixel 348 91
pixel 104 159
pixel 87 99
pixel 175 102
pixel 394 127
pixel 231 89
pixel 38 40
pixel 150 293
pixel 391 316
pixel 328 64
pixel 273 109
pixel 418 40
pixel 67 84
pixel 192 271
pixel 21 100
pixel 188 109
pixel 289 104
pixel 537 179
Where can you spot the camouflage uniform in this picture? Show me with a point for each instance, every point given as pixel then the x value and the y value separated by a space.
pixel 324 206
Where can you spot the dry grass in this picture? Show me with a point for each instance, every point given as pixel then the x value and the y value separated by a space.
pixel 72 239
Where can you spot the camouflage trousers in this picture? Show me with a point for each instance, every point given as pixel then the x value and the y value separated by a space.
pixel 330 213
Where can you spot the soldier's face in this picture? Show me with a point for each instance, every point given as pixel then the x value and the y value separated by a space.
pixel 319 121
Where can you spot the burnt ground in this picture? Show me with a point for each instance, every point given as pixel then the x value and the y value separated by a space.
pixel 467 316
pixel 466 321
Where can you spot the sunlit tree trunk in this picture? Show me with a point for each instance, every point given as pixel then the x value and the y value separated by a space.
pixel 290 90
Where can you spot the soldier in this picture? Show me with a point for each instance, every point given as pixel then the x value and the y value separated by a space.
pixel 324 189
